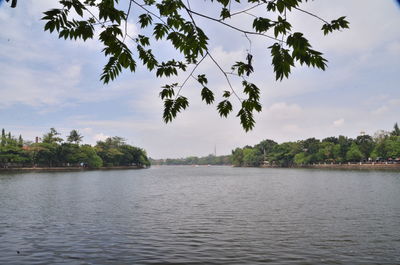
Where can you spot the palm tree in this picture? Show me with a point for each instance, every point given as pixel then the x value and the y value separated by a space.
pixel 75 137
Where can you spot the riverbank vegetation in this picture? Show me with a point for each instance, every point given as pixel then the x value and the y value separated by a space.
pixel 52 151
pixel 383 147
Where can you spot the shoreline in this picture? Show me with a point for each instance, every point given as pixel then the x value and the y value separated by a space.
pixel 65 169
pixel 358 166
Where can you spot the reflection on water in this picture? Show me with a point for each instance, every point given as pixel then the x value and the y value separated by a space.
pixel 203 215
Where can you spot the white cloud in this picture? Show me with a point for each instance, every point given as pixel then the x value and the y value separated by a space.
pixel 100 137
pixel 283 110
pixel 292 129
pixel 338 123
pixel 381 110
pixel 395 102
pixel 23 85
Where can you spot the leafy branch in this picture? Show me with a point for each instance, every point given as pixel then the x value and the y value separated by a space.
pixel 174 21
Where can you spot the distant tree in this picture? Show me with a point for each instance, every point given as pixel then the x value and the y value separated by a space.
pixel 311 145
pixel 52 137
pixel 3 137
pixel 365 144
pixel 283 154
pixel 344 144
pixel 74 137
pixel 331 139
pixel 326 151
pixel 47 154
pixel 115 152
pixel 89 157
pixel 354 154
pixel 336 154
pixel 10 152
pixel 301 159
pixel 265 147
pixel 237 157
pixel 393 147
pixel 20 141
pixel 252 157
pixel 70 153
pixel 396 130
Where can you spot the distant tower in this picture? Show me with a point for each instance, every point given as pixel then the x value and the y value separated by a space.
pixel 215 150
pixel 362 133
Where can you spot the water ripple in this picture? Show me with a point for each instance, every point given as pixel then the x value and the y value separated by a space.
pixel 215 215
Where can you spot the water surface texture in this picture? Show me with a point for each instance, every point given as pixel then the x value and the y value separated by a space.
pixel 200 215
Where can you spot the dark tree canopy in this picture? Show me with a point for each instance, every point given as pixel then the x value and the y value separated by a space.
pixel 175 22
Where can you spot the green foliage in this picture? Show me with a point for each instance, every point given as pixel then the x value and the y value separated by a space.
pixel 301 159
pixel 115 152
pixel 175 22
pixel 393 147
pixel 90 157
pixel 337 24
pixel 366 144
pixel 237 157
pixel 252 157
pixel 53 152
pixel 354 154
pixel 52 137
pixel 283 154
pixel 310 151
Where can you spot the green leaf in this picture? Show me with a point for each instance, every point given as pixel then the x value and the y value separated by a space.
pixel 202 79
pixel 224 108
pixel 168 91
pixel 173 107
pixel 281 60
pixel 262 24
pixel 225 13
pixel 145 20
pixel 207 95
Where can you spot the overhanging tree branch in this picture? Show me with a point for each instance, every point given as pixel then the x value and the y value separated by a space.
pixel 175 23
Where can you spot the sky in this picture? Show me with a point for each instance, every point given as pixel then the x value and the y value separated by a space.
pixel 46 82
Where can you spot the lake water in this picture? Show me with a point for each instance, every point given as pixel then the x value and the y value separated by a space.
pixel 200 215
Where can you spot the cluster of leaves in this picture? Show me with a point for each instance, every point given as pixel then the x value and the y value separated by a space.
pixel 383 147
pixel 52 151
pixel 174 21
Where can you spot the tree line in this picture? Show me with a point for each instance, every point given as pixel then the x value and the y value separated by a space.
pixel 52 151
pixel 384 146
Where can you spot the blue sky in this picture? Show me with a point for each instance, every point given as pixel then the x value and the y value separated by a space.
pixel 46 82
